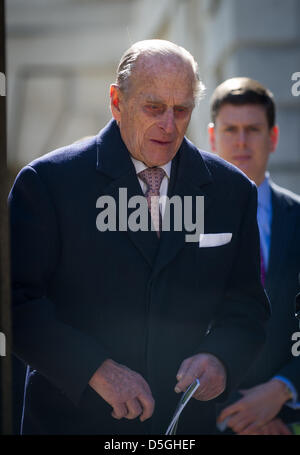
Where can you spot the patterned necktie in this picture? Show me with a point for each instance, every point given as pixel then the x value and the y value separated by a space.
pixel 153 176
pixel 262 269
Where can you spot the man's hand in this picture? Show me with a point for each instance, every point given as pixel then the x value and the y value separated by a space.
pixel 125 390
pixel 210 372
pixel 258 406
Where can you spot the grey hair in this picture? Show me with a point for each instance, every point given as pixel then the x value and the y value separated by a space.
pixel 156 47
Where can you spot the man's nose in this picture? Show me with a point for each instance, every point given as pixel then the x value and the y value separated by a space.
pixel 241 138
pixel 167 122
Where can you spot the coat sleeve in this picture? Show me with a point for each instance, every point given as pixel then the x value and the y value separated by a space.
pixel 64 355
pixel 291 371
pixel 238 331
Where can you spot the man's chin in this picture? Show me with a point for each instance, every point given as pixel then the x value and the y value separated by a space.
pixel 157 163
pixel 243 166
pixel 158 157
pixel 248 172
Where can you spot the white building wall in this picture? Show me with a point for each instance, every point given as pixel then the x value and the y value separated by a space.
pixel 62 56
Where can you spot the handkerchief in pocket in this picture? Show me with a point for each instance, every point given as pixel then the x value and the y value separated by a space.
pixel 209 240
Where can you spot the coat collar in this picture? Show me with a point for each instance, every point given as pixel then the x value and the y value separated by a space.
pixel 113 158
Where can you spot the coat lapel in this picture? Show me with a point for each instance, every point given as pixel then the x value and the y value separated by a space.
pixel 113 161
pixel 189 177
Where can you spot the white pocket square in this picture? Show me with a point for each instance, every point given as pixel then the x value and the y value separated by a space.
pixel 209 240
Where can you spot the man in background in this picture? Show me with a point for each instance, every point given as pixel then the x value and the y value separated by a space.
pixel 245 134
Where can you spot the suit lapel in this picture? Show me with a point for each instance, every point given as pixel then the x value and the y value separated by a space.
pixel 281 232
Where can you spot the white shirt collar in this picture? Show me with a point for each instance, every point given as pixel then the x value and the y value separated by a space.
pixel 140 166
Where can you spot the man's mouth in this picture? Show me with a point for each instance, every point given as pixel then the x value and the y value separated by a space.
pixel 156 141
pixel 242 158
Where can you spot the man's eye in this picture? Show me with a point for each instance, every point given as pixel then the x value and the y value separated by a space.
pixel 181 111
pixel 154 108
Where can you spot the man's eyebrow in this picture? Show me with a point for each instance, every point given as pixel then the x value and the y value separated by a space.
pixel 150 99
pixel 154 102
pixel 188 104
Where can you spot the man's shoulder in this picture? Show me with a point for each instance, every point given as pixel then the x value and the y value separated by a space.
pixel 79 155
pixel 66 165
pixel 285 195
pixel 217 164
pixel 219 169
pixel 68 155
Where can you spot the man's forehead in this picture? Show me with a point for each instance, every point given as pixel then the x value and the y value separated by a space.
pixel 254 113
pixel 168 61
pixel 161 67
pixel 157 81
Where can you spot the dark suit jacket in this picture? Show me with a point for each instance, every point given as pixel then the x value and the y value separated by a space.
pixel 82 296
pixel 282 285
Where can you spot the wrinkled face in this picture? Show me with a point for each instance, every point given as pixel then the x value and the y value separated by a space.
pixel 241 135
pixel 153 116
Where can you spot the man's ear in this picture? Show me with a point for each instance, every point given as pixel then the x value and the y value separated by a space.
pixel 212 137
pixel 274 138
pixel 115 101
